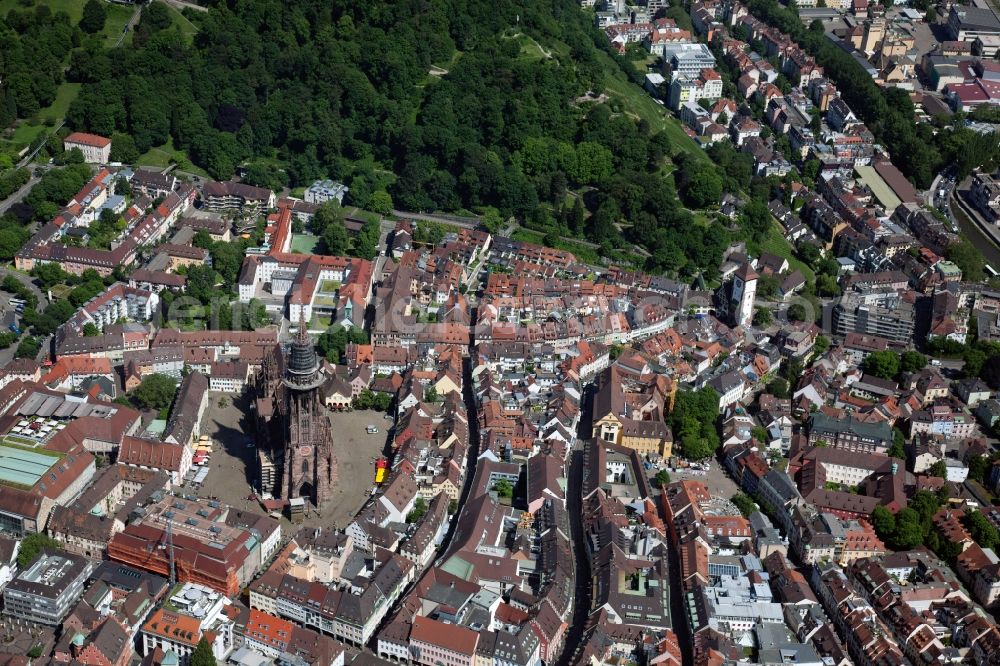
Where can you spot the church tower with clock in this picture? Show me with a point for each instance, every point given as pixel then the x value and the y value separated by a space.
pixel 309 467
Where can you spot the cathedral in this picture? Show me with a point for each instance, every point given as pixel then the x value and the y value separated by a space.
pixel 295 442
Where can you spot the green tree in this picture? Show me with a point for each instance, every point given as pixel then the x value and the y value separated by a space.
pixel 328 222
pixel 898 447
pixel 938 469
pixel 90 330
pixel 979 467
pixel 380 202
pixel 926 504
pixel 778 387
pixel 821 345
pixel 755 219
pixel 662 478
pixel 982 530
pixel 796 312
pixel 32 545
pixel 503 488
pixel 255 315
pixel 418 511
pixel 332 343
pixel 909 532
pixel 28 347
pixel 93 17
pixel 884 523
pixel 826 285
pixel 745 504
pixel 884 364
pixel 911 361
pixel 967 257
pixel 156 391
pixel 50 274
pixel 123 150
pixel 202 654
pixel 767 287
pixel 693 423
pixel 762 317
pixel 702 186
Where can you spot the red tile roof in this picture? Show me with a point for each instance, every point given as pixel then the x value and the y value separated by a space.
pixel 87 139
pixel 447 636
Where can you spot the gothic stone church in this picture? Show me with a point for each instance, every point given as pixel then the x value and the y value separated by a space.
pixel 294 438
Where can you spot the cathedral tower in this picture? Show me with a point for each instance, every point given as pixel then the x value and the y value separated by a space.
pixel 309 468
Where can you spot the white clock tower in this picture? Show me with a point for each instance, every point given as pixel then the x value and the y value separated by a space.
pixel 744 292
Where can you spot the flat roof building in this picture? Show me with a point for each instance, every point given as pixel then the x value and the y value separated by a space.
pixel 214 544
pixel 47 590
pixel 967 23
pixel 326 190
pixel 688 59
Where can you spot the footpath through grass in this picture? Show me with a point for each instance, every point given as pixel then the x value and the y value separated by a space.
pixel 637 101
pixel 165 155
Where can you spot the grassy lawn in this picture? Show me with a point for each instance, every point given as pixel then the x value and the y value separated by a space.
pixel 701 218
pixel 583 253
pixel 639 103
pixel 329 286
pixel 72 7
pixel 181 22
pixel 28 130
pixel 61 290
pixel 25 133
pixel 531 50
pixel 65 95
pixel 118 17
pixel 320 323
pixel 304 243
pixel 165 155
pixel 775 243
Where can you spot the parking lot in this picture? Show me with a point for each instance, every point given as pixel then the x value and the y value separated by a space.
pixel 718 481
pixel 233 467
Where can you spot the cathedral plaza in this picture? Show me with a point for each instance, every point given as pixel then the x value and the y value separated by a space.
pixel 233 465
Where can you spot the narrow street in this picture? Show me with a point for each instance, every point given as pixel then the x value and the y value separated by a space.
pixel 574 507
pixel 469 397
pixel 678 610
pixel 27 282
pixel 455 220
pixel 18 195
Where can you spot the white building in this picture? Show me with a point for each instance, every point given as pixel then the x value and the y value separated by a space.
pixel 96 149
pixel 744 292
pixel 199 609
pixel 326 190
pixel 686 89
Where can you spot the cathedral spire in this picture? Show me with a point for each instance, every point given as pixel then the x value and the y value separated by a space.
pixel 302 370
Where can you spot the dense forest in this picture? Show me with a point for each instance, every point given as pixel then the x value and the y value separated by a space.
pixel 345 89
pixel 460 104
pixel 33 46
